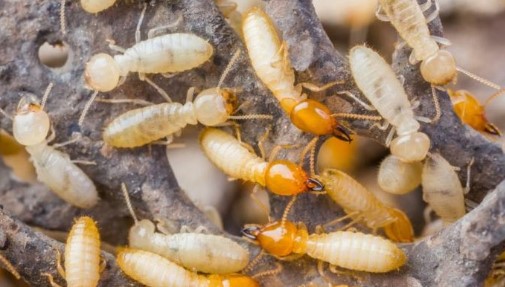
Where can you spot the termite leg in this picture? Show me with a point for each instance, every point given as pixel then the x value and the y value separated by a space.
pixel 379 13
pixel 412 59
pixel 164 94
pixel 103 264
pixel 270 272
pixel 261 142
pixel 314 88
pixel 384 126
pixel 10 267
pixel 189 94
pixel 137 30
pixel 46 95
pixel 71 141
pixel 84 162
pixel 425 6
pixel 158 30
pixel 86 109
pixel 162 227
pixel 52 135
pixel 433 14
pixel 259 203
pixel 335 221
pixel 441 40
pixel 201 229
pixel 51 280
pixel 362 103
pixel 277 148
pixel 59 267
pixel 468 173
pixel 115 47
pixel 389 138
pixel 255 260
pixel 336 270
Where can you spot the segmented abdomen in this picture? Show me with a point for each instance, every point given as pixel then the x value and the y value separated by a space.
pixel 408 19
pixel 142 126
pixel 231 157
pixel 352 196
pixel 356 251
pixel 166 54
pixel 198 252
pixel 82 254
pixel 62 176
pixel 379 84
pixel 153 270
pixel 264 48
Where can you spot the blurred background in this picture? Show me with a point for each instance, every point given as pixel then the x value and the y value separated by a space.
pixel 475 29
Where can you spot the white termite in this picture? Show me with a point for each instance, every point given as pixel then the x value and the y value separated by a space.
pixel 196 251
pixel 54 168
pixel 399 177
pixel 379 84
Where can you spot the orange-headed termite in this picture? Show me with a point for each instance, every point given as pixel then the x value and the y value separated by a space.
pixel 195 251
pixel 399 177
pixel 54 168
pixel 361 204
pixel 211 107
pixel 82 255
pixel 379 85
pixel 281 177
pixel 153 270
pixel 351 250
pixel 471 112
pixel 271 63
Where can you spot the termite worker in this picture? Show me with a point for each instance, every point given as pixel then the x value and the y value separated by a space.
pixel 471 112
pixel 54 168
pixel 196 251
pixel 379 85
pixel 141 126
pixel 442 189
pixel 82 256
pixel 153 270
pixel 351 250
pixel 399 177
pixel 271 63
pixel 361 204
pixel 281 177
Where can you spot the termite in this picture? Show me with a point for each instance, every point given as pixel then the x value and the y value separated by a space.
pixel 442 189
pixel 54 168
pixel 231 13
pixel 379 84
pixel 211 107
pixel 361 204
pixel 399 177
pixel 281 177
pixel 438 66
pixel 82 255
pixel 195 251
pixel 154 270
pixel 471 112
pixel 351 250
pixel 170 53
pixel 271 63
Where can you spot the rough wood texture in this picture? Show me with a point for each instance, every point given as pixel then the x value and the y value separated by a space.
pixel 462 252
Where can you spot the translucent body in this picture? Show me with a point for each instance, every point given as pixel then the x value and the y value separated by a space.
pixel 279 176
pixel 271 63
pixel 142 126
pixel 95 6
pixel 169 53
pixel 442 189
pixel 399 177
pixel 351 250
pixel 82 254
pixel 438 66
pixel 379 84
pixel 355 198
pixel 196 251
pixel 54 168
pixel 155 271
pixel 471 112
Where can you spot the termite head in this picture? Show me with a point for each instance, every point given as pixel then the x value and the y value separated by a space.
pixel 31 123
pixel 411 147
pixel 232 280
pixel 102 73
pixel 279 238
pixel 313 117
pixel 214 106
pixel 140 232
pixel 283 177
pixel 95 6
pixel 401 229
pixel 439 69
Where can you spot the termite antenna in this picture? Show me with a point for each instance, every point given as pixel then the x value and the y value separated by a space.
pixel 10 267
pixel 256 259
pixel 270 272
pixel 479 79
pixel 436 103
pixel 63 25
pixel 128 202
pixel 86 108
pixel 311 145
pixel 357 117
pixel 141 19
pixel 252 117
pixel 288 208
pixel 494 96
pixel 228 67
pixel 5 114
pixel 46 95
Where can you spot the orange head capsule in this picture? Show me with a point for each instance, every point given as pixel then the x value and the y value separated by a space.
pixel 283 177
pixel 313 117
pixel 232 280
pixel 401 229
pixel 277 238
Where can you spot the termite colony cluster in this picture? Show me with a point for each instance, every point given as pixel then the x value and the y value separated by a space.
pixel 155 257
